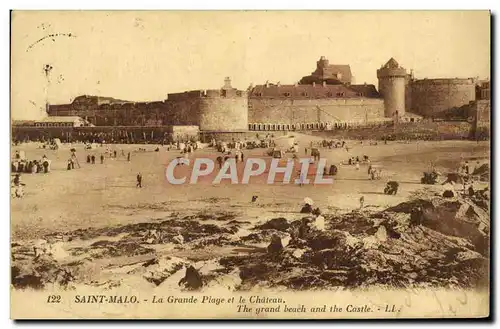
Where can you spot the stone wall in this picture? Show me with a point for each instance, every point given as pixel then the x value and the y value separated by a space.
pixel 482 119
pixel 296 112
pixel 120 134
pixel 182 111
pixel 431 96
pixel 221 113
pixel 483 108
pixel 220 110
pixel 393 91
pixel 421 130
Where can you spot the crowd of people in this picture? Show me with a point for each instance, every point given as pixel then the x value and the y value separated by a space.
pixel 22 165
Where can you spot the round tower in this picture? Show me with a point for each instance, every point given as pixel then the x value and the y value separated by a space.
pixel 391 85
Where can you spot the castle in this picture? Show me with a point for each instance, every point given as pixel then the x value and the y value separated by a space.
pixel 325 99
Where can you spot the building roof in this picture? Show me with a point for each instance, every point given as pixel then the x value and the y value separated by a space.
pixel 367 90
pixel 391 64
pixel 314 91
pixel 345 70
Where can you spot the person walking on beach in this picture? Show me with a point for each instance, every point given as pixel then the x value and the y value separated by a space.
pixel 139 180
pixel 102 158
pixel 128 157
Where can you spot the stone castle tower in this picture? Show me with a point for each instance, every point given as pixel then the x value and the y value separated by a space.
pixel 391 86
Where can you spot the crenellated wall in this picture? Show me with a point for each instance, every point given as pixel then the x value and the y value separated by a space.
pixel 431 96
pixel 219 109
pixel 289 111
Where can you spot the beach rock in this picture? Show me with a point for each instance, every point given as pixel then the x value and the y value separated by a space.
pixel 275 247
pixel 280 224
pixel 160 268
pixel 192 280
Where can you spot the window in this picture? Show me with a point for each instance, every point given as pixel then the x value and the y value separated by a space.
pixel 287 94
pixel 258 94
pixel 305 94
pixel 340 94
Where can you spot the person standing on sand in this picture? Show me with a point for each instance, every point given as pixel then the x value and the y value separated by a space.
pixel 302 178
pixel 128 157
pixel 139 180
pixel 102 158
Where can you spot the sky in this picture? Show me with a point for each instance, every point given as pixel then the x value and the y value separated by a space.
pixel 144 55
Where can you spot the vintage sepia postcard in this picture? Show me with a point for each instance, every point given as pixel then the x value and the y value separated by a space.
pixel 250 164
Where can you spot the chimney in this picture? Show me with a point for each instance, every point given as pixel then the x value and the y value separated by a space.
pixel 267 84
pixel 278 84
pixel 314 84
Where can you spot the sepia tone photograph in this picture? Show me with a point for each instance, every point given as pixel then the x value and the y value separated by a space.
pixel 250 164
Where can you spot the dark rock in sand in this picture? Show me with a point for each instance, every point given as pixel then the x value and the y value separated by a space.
pixel 262 236
pixel 483 172
pixel 327 240
pixel 192 280
pixel 275 247
pixel 280 224
pixel 306 209
pixel 38 273
pixel 105 248
pixel 448 194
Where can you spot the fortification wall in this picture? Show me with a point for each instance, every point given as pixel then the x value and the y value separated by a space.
pixel 182 111
pixel 483 109
pixel 420 130
pixel 120 134
pixel 431 96
pixel 393 91
pixel 407 96
pixel 287 111
pixel 219 113
pixel 482 116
